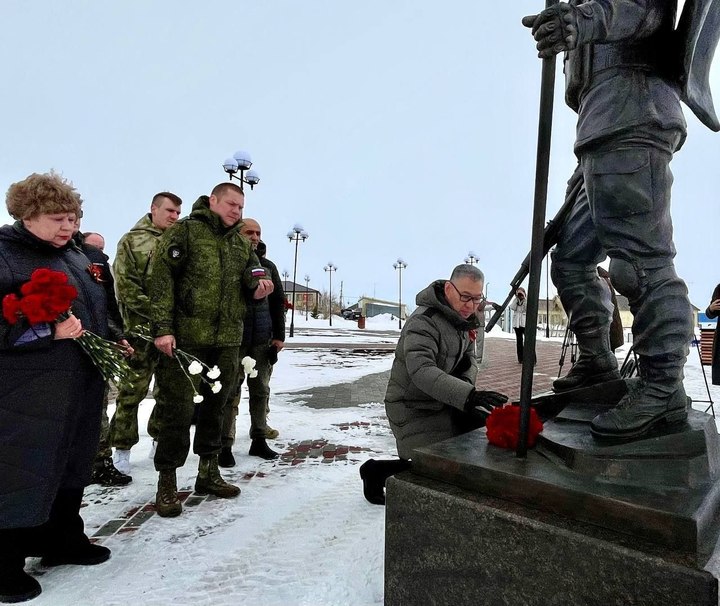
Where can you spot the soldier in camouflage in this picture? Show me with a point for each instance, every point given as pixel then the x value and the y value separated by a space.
pixel 132 274
pixel 202 271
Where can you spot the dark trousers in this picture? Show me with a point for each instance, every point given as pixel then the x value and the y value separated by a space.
pixel 174 406
pixel 520 342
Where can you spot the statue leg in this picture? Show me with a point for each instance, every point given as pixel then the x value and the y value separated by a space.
pixel 585 298
pixel 629 197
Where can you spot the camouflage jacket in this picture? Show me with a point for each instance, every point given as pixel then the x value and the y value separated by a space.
pixel 132 271
pixel 202 272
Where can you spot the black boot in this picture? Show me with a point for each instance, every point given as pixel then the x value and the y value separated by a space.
pixel 596 364
pixel 259 448
pixel 226 457
pixel 374 474
pixel 106 474
pixel 15 584
pixel 67 541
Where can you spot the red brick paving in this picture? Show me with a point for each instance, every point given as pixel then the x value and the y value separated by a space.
pixel 501 372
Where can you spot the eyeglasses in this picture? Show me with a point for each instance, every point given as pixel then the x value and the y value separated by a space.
pixel 467 298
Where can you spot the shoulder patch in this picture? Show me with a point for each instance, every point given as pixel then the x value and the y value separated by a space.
pixel 174 252
pixel 430 312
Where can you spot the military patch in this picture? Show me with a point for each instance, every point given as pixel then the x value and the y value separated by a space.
pixel 174 252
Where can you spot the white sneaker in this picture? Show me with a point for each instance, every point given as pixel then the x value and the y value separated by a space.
pixel 121 460
pixel 153 448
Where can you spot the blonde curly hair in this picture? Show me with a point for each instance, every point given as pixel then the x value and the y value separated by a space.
pixel 42 194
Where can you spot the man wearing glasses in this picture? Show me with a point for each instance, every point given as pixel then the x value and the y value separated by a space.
pixel 431 393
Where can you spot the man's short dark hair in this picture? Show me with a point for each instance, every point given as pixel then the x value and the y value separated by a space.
pixel 156 201
pixel 467 271
pixel 224 187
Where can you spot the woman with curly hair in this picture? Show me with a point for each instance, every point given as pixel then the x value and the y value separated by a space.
pixel 51 394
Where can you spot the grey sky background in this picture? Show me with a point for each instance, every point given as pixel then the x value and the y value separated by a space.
pixel 386 129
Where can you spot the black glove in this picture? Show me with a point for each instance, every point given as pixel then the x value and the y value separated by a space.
pixel 272 354
pixel 484 402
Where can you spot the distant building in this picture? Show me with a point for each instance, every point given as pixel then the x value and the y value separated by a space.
pixel 305 298
pixel 559 320
pixel 374 307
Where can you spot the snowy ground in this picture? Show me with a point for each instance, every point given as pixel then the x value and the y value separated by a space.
pixel 297 535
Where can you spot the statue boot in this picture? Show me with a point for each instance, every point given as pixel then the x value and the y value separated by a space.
pixel 653 401
pixel 596 363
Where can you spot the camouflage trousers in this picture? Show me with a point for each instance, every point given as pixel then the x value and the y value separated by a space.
pixel 259 390
pixel 104 450
pixel 174 406
pixel 124 424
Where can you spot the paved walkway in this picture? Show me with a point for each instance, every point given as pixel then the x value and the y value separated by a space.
pixel 499 371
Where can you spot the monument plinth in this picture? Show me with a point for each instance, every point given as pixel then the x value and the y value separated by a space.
pixel 575 522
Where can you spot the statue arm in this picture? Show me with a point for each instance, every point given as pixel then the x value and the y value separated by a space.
pixel 615 20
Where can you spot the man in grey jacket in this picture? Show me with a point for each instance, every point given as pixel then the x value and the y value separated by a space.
pixel 431 393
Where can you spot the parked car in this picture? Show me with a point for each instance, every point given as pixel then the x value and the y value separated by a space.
pixel 351 314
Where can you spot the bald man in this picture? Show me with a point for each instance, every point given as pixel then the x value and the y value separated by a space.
pixel 263 338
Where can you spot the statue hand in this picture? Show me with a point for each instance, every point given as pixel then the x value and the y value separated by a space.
pixel 555 29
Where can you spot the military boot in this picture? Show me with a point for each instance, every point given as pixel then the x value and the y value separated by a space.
pixel 167 503
pixel 260 448
pixel 596 364
pixel 209 480
pixel 655 400
pixel 645 407
pixel 226 457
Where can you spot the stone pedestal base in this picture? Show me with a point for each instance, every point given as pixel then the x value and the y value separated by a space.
pixel 445 545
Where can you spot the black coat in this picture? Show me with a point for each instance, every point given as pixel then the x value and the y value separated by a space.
pixel 50 393
pixel 716 341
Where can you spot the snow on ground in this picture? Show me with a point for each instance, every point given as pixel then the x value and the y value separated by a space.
pixel 297 535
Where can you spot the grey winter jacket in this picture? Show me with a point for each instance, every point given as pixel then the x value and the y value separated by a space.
pixel 433 373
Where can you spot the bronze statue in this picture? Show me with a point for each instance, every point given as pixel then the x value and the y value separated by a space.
pixel 627 68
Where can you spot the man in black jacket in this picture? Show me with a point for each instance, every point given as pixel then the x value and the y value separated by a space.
pixel 104 471
pixel 263 338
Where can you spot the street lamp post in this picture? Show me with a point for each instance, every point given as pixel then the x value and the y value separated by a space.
pixel 307 294
pixel 472 258
pixel 400 265
pixel 296 234
pixel 330 268
pixel 241 163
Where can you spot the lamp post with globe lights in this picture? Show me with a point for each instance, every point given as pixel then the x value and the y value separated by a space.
pixel 472 258
pixel 330 268
pixel 296 234
pixel 241 163
pixel 399 265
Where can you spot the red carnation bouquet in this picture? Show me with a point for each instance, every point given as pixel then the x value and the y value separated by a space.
pixel 46 298
pixel 503 427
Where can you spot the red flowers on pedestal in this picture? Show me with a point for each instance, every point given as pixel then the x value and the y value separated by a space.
pixel 503 427
pixel 44 298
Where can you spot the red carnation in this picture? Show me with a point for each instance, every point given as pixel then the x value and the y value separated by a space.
pixel 503 427
pixel 11 308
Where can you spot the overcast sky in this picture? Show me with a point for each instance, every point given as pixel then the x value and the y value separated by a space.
pixel 386 129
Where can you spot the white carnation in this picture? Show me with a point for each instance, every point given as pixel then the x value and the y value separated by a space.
pixel 213 373
pixel 197 398
pixel 195 368
pixel 253 374
pixel 216 387
pixel 248 364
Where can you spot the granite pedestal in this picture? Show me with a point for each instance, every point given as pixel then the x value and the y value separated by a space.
pixel 576 522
